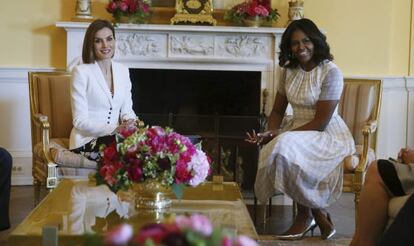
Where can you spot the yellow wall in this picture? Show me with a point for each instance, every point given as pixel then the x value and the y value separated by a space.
pixel 370 37
pixel 29 37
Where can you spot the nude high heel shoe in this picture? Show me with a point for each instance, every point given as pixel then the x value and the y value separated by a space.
pixel 311 227
pixel 325 235
pixel 324 221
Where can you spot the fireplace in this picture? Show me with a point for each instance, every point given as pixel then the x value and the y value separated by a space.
pixel 218 106
pixel 220 94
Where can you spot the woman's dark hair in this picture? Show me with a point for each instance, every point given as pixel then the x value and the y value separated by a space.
pixel 321 48
pixel 88 53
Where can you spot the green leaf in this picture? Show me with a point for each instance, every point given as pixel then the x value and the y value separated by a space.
pixel 215 238
pixel 178 190
pixel 195 239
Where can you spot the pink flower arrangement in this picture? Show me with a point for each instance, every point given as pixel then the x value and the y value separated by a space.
pixel 137 10
pixel 184 230
pixel 160 154
pixel 251 8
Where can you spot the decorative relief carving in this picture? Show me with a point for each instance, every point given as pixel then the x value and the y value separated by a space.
pixel 245 46
pixel 138 45
pixel 191 45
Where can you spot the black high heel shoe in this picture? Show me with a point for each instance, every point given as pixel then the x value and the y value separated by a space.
pixel 311 227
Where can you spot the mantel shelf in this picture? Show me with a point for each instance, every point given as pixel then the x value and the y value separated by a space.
pixel 179 28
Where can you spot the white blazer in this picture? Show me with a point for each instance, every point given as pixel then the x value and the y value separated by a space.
pixel 95 113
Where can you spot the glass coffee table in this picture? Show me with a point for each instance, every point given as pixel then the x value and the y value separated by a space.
pixel 75 208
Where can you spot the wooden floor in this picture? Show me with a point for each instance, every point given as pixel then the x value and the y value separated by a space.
pixel 342 212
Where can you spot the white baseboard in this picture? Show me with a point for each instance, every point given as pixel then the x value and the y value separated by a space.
pixel 19 180
pixel 22 167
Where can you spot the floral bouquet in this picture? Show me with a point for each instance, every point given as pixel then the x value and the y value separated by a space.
pixel 152 153
pixel 137 11
pixel 192 231
pixel 251 9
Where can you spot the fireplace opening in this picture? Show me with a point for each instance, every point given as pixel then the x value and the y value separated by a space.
pixel 219 106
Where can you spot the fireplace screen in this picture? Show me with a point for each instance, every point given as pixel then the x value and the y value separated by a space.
pixel 219 106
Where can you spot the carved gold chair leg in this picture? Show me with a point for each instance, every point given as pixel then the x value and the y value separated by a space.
pixel 356 201
pixel 36 192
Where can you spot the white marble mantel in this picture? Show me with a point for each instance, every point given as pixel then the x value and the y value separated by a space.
pixel 189 47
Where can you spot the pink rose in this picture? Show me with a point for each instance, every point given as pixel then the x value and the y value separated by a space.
pixel 145 7
pixel 123 6
pixel 261 11
pixel 200 223
pixel 111 7
pixel 196 222
pixel 226 241
pixel 120 235
pixel 127 131
pixel 155 131
pixel 245 241
pixel 108 173
pixel 182 175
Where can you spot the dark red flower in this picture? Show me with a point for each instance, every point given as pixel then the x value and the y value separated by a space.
pixel 135 173
pixel 155 232
pixel 175 239
pixel 110 152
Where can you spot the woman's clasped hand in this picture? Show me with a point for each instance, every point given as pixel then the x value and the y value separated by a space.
pixel 260 138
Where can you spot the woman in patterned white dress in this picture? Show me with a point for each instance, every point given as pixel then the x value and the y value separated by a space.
pixel 303 159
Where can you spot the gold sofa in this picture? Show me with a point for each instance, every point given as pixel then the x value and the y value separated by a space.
pixel 51 123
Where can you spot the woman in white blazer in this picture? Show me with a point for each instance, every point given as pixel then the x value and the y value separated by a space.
pixel 100 92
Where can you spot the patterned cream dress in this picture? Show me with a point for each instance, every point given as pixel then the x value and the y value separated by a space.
pixel 305 165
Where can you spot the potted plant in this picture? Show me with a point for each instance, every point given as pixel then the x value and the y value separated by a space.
pixel 132 11
pixel 252 13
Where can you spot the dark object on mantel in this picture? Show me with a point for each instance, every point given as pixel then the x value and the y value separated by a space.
pixel 192 24
pixel 163 3
pixel 195 139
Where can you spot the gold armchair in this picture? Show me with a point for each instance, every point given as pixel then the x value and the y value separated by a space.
pixel 51 122
pixel 359 107
pixel 51 118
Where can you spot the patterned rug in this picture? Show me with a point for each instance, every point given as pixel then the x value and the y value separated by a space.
pixel 267 240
